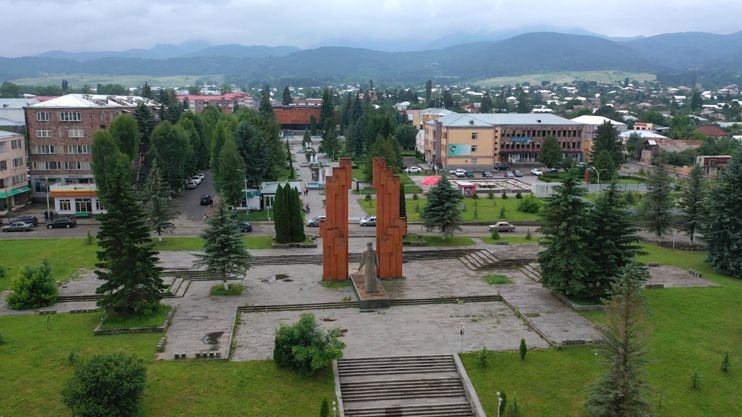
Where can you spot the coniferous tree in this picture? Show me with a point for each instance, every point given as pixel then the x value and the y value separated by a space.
pixel 524 101
pixel 692 203
pixel 402 205
pixel 265 102
pixel 146 123
pixel 345 118
pixel 307 139
pixel 566 263
pixel 126 135
pixel 287 96
pixel 384 147
pixel 229 178
pixel 282 210
pixel 224 254
pixel 327 111
pixel 722 229
pixel 428 92
pixel 614 241
pixel 623 390
pixel 158 203
pixel 132 284
pixel 313 125
pixel 550 153
pixel 356 110
pixel 442 211
pixel 330 144
pixel 65 85
pixel 657 202
pixel 605 164
pixel 297 224
pixel 147 91
pixel 607 139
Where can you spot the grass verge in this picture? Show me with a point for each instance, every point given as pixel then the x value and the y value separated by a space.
pixel 232 289
pixel 488 210
pixel 434 240
pixel 334 283
pixel 495 279
pixel 197 244
pixel 510 239
pixel 152 320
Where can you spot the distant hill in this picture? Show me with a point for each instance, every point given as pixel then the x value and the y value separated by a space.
pixel 687 50
pixel 159 51
pixel 241 51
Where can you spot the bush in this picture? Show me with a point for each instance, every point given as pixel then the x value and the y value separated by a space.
pixel 495 234
pixel 695 380
pixel 368 197
pixel 725 363
pixel 34 287
pixel 529 204
pixel 3 272
pixel 504 195
pixel 518 195
pixel 475 196
pixel 89 238
pixel 523 349
pixel 529 236
pixel 503 213
pixel 73 358
pixel 483 357
pixel 504 403
pixel 414 196
pixel 2 341
pixel 304 347
pixel 490 195
pixel 110 384
pixel 324 410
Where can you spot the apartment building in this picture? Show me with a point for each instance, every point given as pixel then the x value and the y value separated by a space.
pixel 60 136
pixel 227 102
pixel 14 190
pixel 477 141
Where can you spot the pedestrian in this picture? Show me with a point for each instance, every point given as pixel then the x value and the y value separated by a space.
pixel 46 215
pixel 51 215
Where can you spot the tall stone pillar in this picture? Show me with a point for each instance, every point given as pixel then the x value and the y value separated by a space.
pixel 334 230
pixel 390 228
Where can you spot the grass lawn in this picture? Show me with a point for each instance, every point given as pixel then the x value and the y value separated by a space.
pixel 693 329
pixel 233 289
pixel 510 239
pixel 496 279
pixel 197 244
pixel 488 210
pixel 152 320
pixel 33 368
pixel 435 240
pixel 333 283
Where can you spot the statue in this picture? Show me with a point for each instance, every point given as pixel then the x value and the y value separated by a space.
pixel 371 261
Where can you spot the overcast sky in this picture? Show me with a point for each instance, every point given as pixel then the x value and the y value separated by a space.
pixel 34 26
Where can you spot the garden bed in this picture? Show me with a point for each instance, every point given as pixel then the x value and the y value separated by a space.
pixel 147 324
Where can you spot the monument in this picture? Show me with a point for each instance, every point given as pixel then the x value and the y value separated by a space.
pixel 370 263
pixel 334 229
pixel 390 228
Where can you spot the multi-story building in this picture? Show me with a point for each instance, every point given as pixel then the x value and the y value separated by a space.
pixel 12 113
pixel 60 136
pixel 228 102
pixel 14 190
pixel 480 140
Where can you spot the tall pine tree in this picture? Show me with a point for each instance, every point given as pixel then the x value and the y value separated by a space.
pixel 442 211
pixel 296 221
pixel 282 210
pixel 132 284
pixel 566 263
pixel 145 124
pixel 722 230
pixel 287 96
pixel 657 203
pixel 607 139
pixel 692 203
pixel 158 203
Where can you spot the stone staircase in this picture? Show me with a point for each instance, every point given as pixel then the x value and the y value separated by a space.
pixel 423 386
pixel 531 271
pixel 484 259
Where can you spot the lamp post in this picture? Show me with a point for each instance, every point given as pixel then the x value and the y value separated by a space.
pixel 598 172
pixel 462 336
pixel 47 194
pixel 499 403
pixel 247 210
pixel 334 409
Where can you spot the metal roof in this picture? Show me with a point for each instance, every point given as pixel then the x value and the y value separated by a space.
pixel 90 100
pixel 504 119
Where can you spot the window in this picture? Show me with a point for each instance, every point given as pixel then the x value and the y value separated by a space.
pixel 43 166
pixel 18 179
pixel 76 165
pixel 78 149
pixel 43 149
pixel 42 116
pixel 3 165
pixel 473 148
pixel 17 162
pixel 474 161
pixel 70 116
pixel 474 136
pixel 76 133
pixel 44 133
pixel 65 205
pixel 16 144
pixel 83 205
pixel 99 205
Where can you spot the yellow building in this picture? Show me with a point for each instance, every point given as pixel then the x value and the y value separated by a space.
pixel 477 141
pixel 424 116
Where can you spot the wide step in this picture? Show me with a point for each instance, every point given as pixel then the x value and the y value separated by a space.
pixel 437 410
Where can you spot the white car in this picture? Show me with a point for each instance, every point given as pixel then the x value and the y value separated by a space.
pixel 201 175
pixel 413 169
pixel 197 179
pixel 537 172
pixel 368 221
pixel 190 185
pixel 502 227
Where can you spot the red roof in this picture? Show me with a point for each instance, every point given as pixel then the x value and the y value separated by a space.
pixel 296 115
pixel 711 131
pixel 228 97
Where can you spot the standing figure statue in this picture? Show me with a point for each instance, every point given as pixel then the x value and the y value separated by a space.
pixel 371 261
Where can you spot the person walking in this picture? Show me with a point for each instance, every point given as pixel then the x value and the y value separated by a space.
pixel 46 215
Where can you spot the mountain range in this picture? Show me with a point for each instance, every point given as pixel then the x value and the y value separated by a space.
pixel 523 54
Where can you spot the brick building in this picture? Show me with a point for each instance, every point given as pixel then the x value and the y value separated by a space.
pixel 226 102
pixel 296 117
pixel 60 136
pixel 14 190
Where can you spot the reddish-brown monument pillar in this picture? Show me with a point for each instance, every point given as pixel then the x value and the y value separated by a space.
pixel 334 230
pixel 390 227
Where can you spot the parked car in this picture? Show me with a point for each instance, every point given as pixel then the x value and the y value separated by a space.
pixel 469 174
pixel 486 174
pixel 190 185
pixel 368 221
pixel 196 179
pixel 414 169
pixel 206 200
pixel 537 172
pixel 460 173
pixel 553 169
pixel 201 175
pixel 315 221
pixel 27 219
pixel 509 174
pixel 244 226
pixel 502 227
pixel 62 223
pixel 18 227
pixel 517 173
pixel 501 166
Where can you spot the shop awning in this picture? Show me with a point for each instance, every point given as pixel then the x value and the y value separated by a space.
pixel 11 193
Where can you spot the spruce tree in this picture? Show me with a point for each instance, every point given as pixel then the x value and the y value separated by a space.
pixel 330 144
pixel 657 203
pixel 605 165
pixel 146 123
pixel 307 139
pixel 297 224
pixel 442 212
pixel 229 180
pixel 287 96
pixel 147 91
pixel 566 263
pixel 313 125
pixel 402 205
pixel 282 207
pixel 722 229
pixel 692 203
pixel 607 139
pixel 132 284
pixel 224 254
pixel 614 241
pixel 623 390
pixel 158 203
pixel 327 110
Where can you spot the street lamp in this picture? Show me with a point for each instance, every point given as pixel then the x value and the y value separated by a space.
pixel 334 409
pixel 247 210
pixel 499 403
pixel 462 336
pixel 598 172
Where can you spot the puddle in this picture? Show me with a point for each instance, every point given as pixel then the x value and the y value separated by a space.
pixel 328 319
pixel 288 280
pixel 281 276
pixel 212 338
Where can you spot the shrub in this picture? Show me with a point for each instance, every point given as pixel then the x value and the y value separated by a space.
pixel 503 212
pixel 529 236
pixel 2 341
pixel 304 347
pixel 367 197
pixel 504 403
pixel 495 234
pixel 523 349
pixel 490 195
pixel 483 357
pixel 475 196
pixel 504 195
pixel 110 384
pixel 518 195
pixel 529 204
pixel 89 239
pixel 34 287
pixel 73 358
pixel 515 408
pixel 3 272
pixel 414 196
pixel 695 380
pixel 725 363
pixel 324 410
pixel 232 289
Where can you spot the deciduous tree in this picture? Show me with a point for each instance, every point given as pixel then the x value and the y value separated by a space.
pixel 229 179
pixel 34 287
pixel 550 153
pixel 125 133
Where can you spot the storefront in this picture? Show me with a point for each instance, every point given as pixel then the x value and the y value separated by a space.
pixel 76 199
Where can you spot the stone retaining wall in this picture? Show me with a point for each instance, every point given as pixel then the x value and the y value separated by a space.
pixel 160 329
pixel 576 307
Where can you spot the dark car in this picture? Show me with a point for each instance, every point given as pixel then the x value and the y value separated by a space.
pixel 244 227
pixel 206 200
pixel 486 174
pixel 65 223
pixel 469 174
pixel 501 165
pixel 518 173
pixel 28 219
